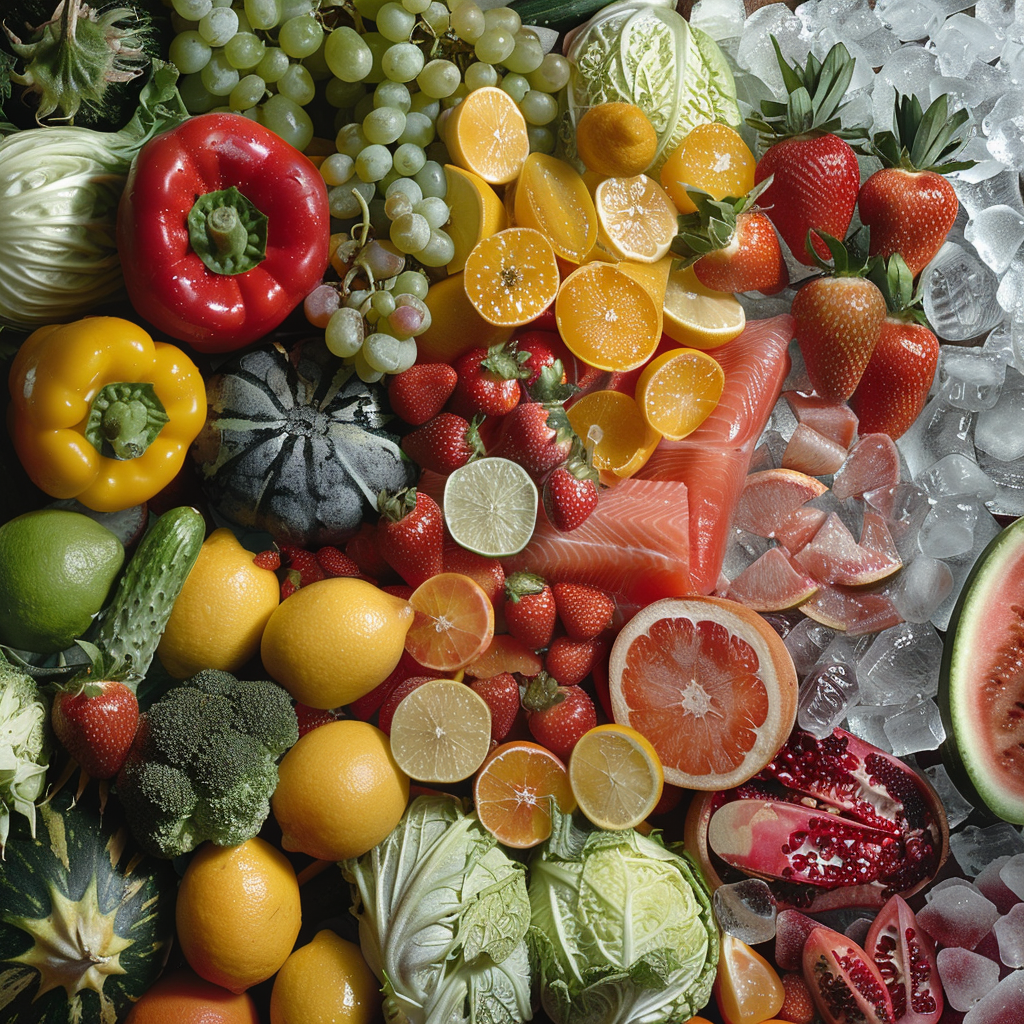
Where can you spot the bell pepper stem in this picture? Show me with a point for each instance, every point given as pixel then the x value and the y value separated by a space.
pixel 125 419
pixel 227 231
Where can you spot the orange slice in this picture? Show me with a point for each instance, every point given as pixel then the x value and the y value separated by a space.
pixel 636 218
pixel 486 133
pixel 712 157
pixel 612 425
pixel 678 390
pixel 552 197
pixel 709 683
pixel 455 325
pixel 512 276
pixel 453 622
pixel 513 790
pixel 698 317
pixel 505 654
pixel 476 212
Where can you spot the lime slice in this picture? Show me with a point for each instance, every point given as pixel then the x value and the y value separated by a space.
pixel 490 506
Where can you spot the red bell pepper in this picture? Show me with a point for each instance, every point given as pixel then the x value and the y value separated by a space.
pixel 223 229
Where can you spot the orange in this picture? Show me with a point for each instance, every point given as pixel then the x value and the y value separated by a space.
pixel 612 425
pixel 453 622
pixel 712 157
pixel 697 316
pixel 455 325
pixel 552 197
pixel 513 789
pixel 709 683
pixel 636 218
pixel 182 997
pixel 505 654
pixel 616 139
pixel 678 390
pixel 218 619
pixel 476 212
pixel 339 792
pixel 511 277
pixel 486 134
pixel 238 913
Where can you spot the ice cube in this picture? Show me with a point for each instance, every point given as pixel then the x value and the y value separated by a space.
pixel 902 661
pixel 1003 1004
pixel 756 53
pixel 916 726
pixel 921 588
pixel 960 566
pixel 975 847
pixel 997 13
pixel 958 916
pixel 959 294
pixel 746 910
pixel 1009 931
pixel 1010 293
pixel 955 474
pixel 1008 478
pixel 999 344
pixel 991 885
pixel 940 429
pixel 996 233
pixel 1011 873
pixel 1002 189
pixel 826 695
pixel 958 808
pixel 909 19
pixel 948 883
pixel 904 508
pixel 966 976
pixel 999 431
pixel 805 643
pixel 721 19
pixel 742 551
pixel 972 376
pixel 868 723
pixel 948 529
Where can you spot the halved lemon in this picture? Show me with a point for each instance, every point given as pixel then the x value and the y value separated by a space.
pixel 698 317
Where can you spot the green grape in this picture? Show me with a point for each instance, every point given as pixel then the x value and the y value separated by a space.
pixel 364 371
pixel 494 45
pixel 528 54
pixel 249 91
pixel 373 162
pixel 337 169
pixel 456 97
pixel 516 86
pixel 192 10
pixel 300 36
pixel 362 107
pixel 244 25
pixel 396 205
pixel 467 22
pixel 344 332
pixel 294 9
pixel 383 125
pixel 438 251
pixel 344 205
pixel 218 26
pixel 369 8
pixel 434 210
pixel 392 94
pixel 218 75
pixel 410 232
pixel 263 14
pixel 245 50
pixel 407 354
pixel 189 52
pixel 383 302
pixel 542 140
pixel 393 175
pixel 552 75
pixel 452 4
pixel 273 64
pixel 426 105
pixel 195 95
pixel 407 186
pixel 409 158
pixel 402 62
pixel 416 6
pixel 297 84
pixel 381 352
pixel 394 22
pixel 347 55
pixel 439 78
pixel 504 18
pixel 180 24
pixel 288 121
pixel 343 94
pixel 479 75
pixel 539 107
pixel 316 63
pixel 412 282
pixel 436 18
pixel 378 47
pixel 419 129
pixel 223 3
pixel 431 180
pixel 350 140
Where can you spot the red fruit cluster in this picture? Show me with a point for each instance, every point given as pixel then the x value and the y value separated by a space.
pixel 299 567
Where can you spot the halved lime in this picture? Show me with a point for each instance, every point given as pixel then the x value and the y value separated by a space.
pixel 490 506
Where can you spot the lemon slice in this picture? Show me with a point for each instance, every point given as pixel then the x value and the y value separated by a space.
pixel 476 212
pixel 490 507
pixel 698 317
pixel 551 196
pixel 678 390
pixel 636 218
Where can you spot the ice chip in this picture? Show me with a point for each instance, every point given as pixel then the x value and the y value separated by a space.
pixel 958 916
pixel 1010 293
pixel 940 430
pixel 921 588
pixel 1002 189
pixel 991 885
pixel 721 19
pixel 966 976
pixel 955 474
pixel 756 53
pixel 972 377
pixel 826 695
pixel 1003 1004
pixel 868 724
pixel 1009 931
pixel 999 431
pixel 909 19
pixel 959 294
pixel 958 808
pixel 916 726
pixel 902 661
pixel 948 529
pixel 960 566
pixel 974 847
pixel 996 233
pixel 1011 873
pixel 805 643
pixel 746 910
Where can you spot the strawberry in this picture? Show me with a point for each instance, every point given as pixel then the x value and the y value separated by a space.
pixel 837 321
pixel 488 381
pixel 444 443
pixel 488 572
pixel 798 1005
pixel 365 707
pixel 269 559
pixel 301 569
pixel 529 609
pixel 420 393
pixel 558 715
pixel 396 696
pixel 814 172
pixel 95 720
pixel 908 204
pixel 312 718
pixel 334 562
pixel 584 611
pixel 410 534
pixel 501 692
pixel 541 348
pixel 571 661
pixel 570 492
pixel 362 549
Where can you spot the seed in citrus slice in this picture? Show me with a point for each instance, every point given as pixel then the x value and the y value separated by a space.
pixel 512 276
pixel 505 654
pixel 812 453
pixel 636 219
pixel 441 732
pixel 711 685
pixel 770 496
pixel 513 789
pixel 712 157
pixel 490 506
pixel 698 317
pixel 607 317
pixel 873 462
pixel 678 390
pixel 771 583
pixel 616 776
pixel 551 196
pixel 612 426
pixel 453 622
pixel 486 133
pixel 476 212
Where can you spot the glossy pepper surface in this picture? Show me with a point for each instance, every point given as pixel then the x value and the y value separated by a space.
pixel 223 229
pixel 101 412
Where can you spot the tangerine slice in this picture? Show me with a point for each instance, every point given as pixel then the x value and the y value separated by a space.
pixel 712 157
pixel 505 654
pixel 613 427
pixel 453 622
pixel 512 276
pixel 476 212
pixel 698 317
pixel 486 133
pixel 513 789
pixel 711 685
pixel 636 218
pixel 551 196
pixel 678 390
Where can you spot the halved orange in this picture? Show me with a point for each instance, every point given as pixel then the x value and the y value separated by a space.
pixel 678 390
pixel 712 157
pixel 709 683
pixel 476 212
pixel 453 622
pixel 636 218
pixel 551 196
pixel 513 790
pixel 512 276
pixel 612 426
pixel 486 133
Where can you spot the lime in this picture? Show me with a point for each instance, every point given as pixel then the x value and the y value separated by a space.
pixel 490 506
pixel 56 572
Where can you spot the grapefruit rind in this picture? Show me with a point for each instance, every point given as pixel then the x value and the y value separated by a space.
pixel 770 496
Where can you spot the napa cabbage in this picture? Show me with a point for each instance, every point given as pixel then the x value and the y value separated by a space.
pixel 622 930
pixel 645 52
pixel 443 914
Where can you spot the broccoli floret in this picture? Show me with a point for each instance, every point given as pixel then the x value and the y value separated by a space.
pixel 204 762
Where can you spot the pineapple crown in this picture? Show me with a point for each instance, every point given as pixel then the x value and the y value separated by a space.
pixel 923 140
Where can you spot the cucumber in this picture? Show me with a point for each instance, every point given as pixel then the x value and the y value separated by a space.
pixel 135 619
pixel 560 15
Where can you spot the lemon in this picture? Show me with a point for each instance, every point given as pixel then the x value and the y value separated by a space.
pixel 56 572
pixel 636 218
pixel 698 317
pixel 333 641
pixel 327 981
pixel 238 913
pixel 476 212
pixel 339 791
pixel 218 618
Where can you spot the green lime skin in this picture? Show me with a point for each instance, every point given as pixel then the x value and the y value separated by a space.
pixel 57 569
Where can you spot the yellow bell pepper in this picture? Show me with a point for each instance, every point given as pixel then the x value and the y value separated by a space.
pixel 101 412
